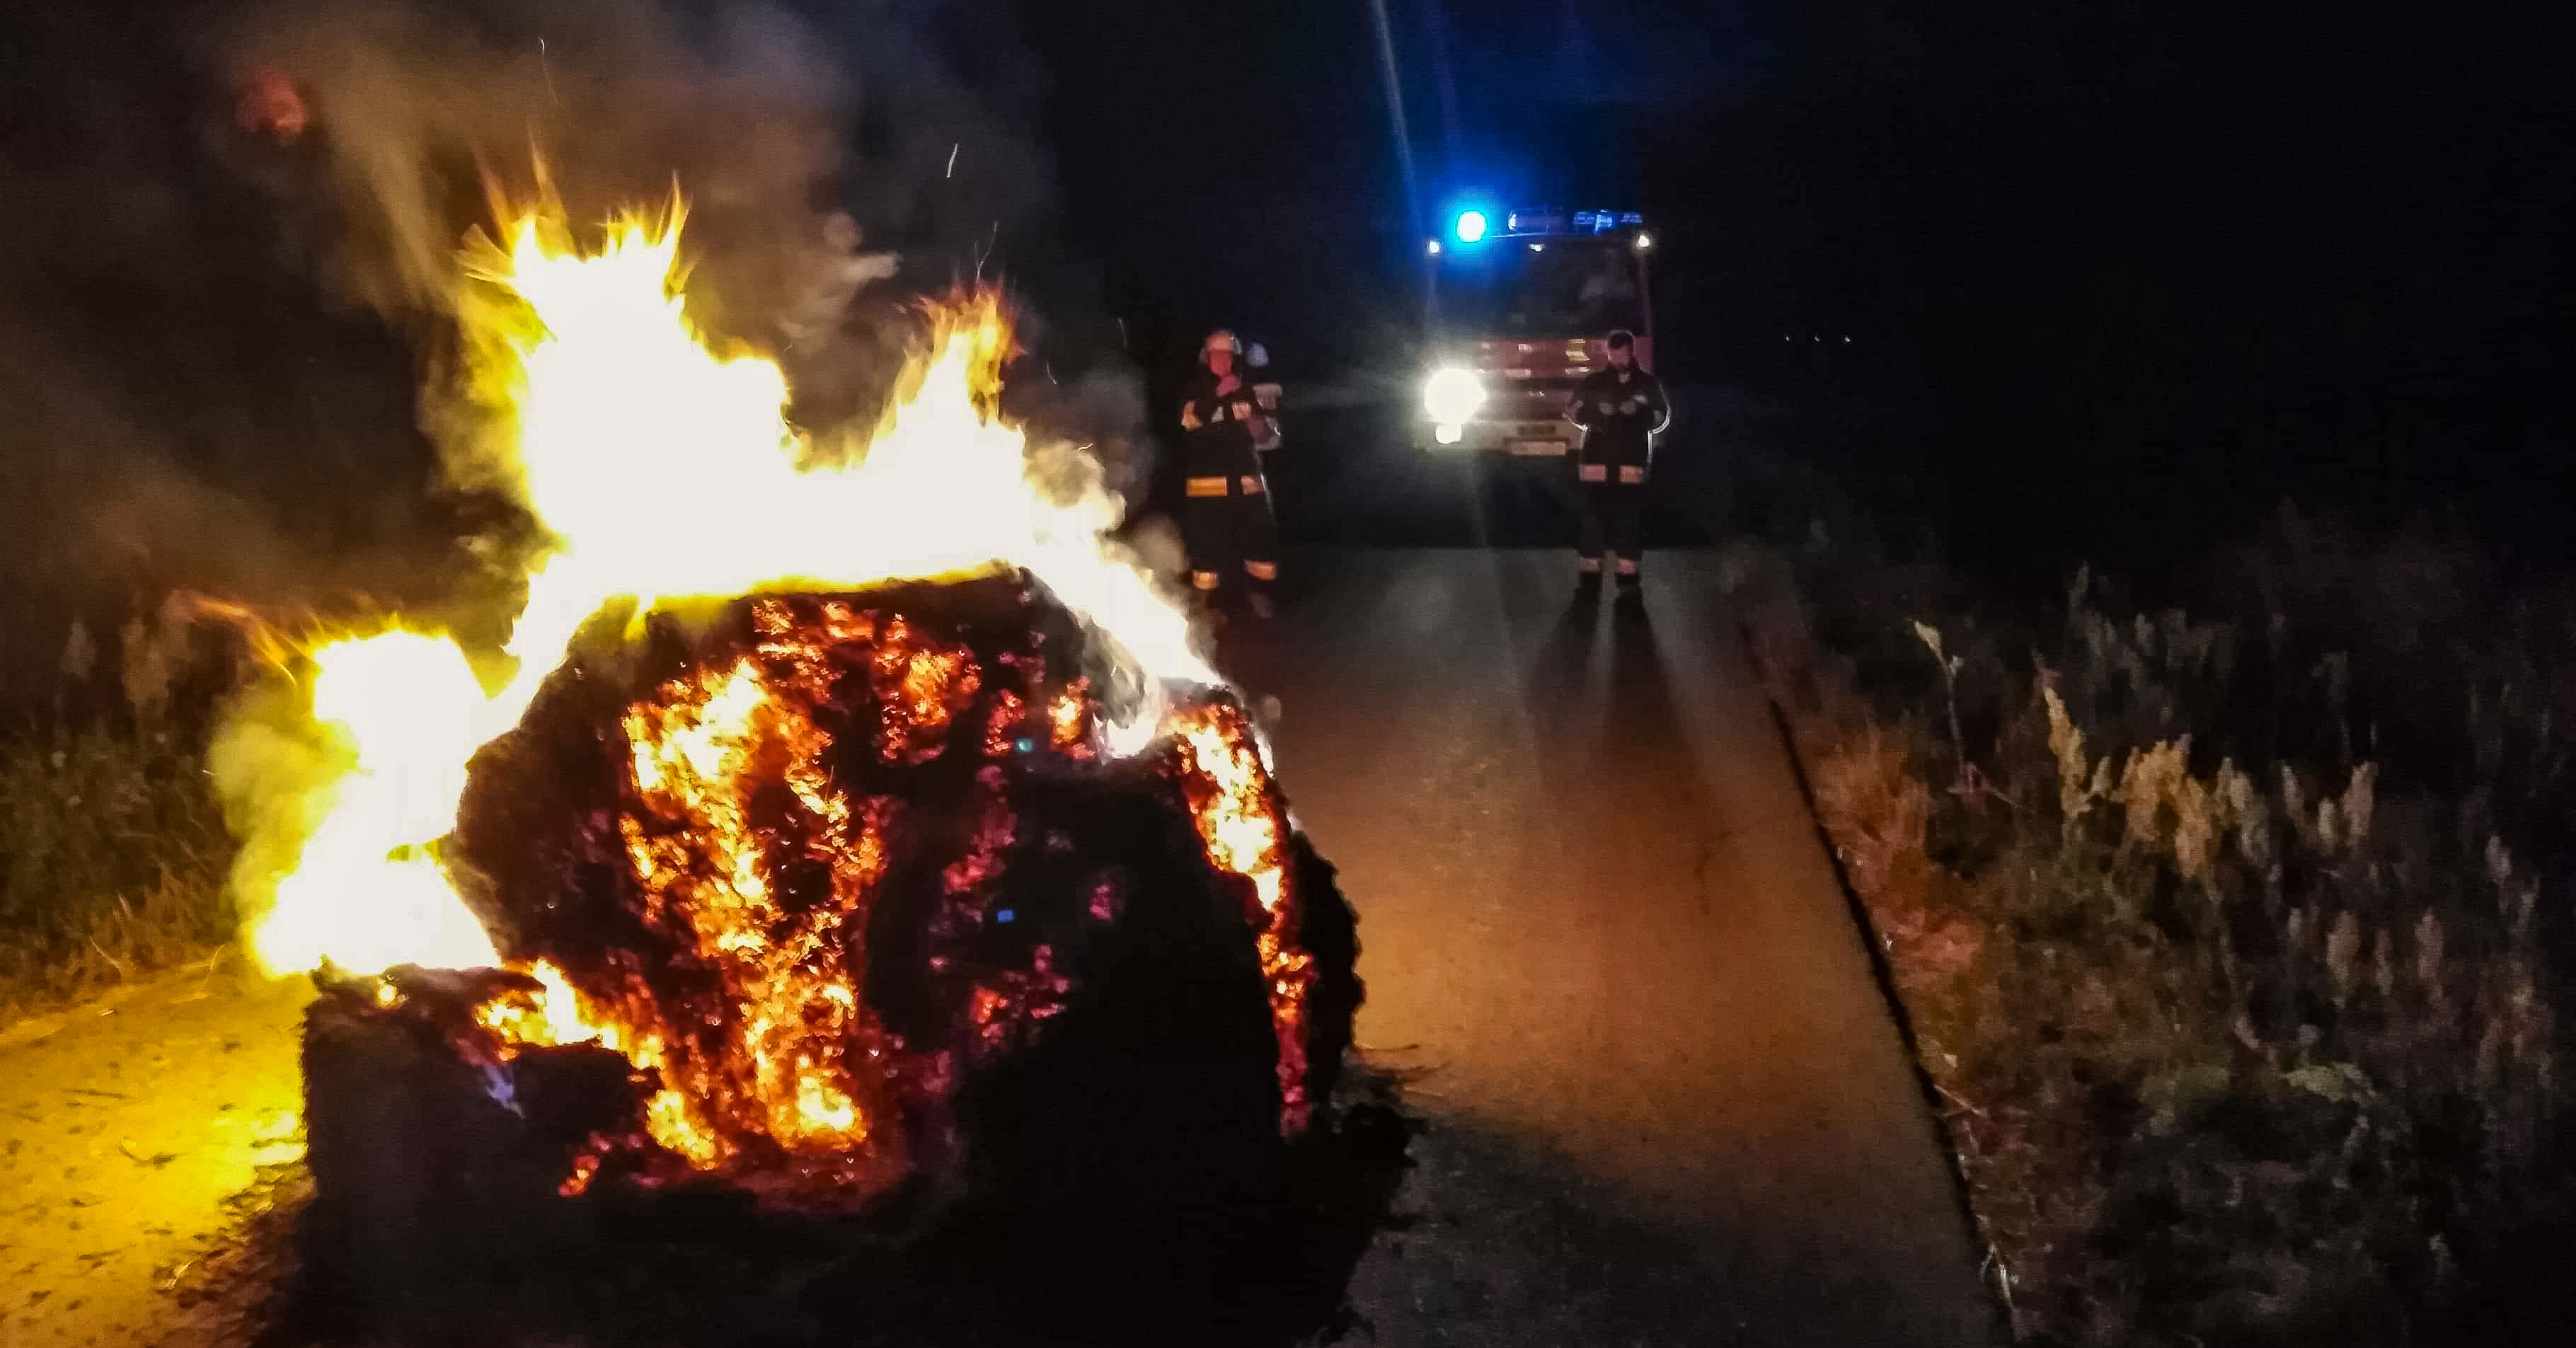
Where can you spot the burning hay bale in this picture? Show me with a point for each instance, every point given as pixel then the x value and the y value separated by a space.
pixel 900 934
pixel 836 908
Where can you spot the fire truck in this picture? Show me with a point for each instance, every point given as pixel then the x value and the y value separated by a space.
pixel 1521 305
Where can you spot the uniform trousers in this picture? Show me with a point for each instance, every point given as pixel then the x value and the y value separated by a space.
pixel 1226 523
pixel 1613 516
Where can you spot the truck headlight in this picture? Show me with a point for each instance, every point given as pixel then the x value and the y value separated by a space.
pixel 1452 395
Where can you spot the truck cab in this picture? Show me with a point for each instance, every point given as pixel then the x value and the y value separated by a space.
pixel 1521 307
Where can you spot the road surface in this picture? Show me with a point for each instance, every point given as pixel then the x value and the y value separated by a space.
pixel 1667 1102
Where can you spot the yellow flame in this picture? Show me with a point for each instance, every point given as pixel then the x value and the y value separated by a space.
pixel 711 887
pixel 405 705
pixel 663 471
pixel 1236 822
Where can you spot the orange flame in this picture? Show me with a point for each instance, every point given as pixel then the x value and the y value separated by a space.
pixel 705 865
pixel 663 472
pixel 1245 826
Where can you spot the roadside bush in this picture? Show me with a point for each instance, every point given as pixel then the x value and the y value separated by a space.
pixel 2227 945
pixel 112 861
pixel 113 851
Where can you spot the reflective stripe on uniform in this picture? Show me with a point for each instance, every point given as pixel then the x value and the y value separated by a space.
pixel 1251 484
pixel 1627 566
pixel 1204 580
pixel 1590 566
pixel 1207 486
pixel 1261 570
pixel 1632 472
pixel 1593 472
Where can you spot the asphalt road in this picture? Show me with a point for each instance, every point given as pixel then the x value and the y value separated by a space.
pixel 1350 476
pixel 1667 1102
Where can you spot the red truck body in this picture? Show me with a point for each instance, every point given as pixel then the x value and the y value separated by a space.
pixel 1527 310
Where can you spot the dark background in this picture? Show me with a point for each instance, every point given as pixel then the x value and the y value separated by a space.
pixel 2117 279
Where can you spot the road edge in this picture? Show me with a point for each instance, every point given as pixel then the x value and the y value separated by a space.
pixel 1998 1306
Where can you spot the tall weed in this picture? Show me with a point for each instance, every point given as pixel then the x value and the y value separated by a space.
pixel 112 862
pixel 2243 1035
pixel 113 851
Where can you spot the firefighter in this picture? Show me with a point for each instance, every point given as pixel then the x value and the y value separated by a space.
pixel 1620 409
pixel 1225 518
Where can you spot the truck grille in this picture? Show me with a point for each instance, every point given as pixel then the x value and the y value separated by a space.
pixel 1518 399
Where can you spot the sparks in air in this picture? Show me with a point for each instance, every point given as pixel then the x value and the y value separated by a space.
pixel 661 471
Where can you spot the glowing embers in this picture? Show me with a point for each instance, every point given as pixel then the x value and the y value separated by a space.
pixel 687 841
pixel 752 869
pixel 1244 823
pixel 712 840
pixel 919 687
pixel 812 865
pixel 1069 719
pixel 661 472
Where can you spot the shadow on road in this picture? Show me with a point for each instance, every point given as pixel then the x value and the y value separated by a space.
pixel 1606 713
pixel 1502 1244
pixel 1642 713
pixel 1557 672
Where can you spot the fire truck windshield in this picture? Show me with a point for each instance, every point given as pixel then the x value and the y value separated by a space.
pixel 1542 288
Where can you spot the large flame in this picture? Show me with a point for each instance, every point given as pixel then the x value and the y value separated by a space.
pixel 663 471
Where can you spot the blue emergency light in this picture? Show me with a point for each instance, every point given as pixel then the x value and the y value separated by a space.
pixel 1471 226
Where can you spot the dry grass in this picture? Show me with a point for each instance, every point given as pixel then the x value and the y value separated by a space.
pixel 2243 1036
pixel 112 862
pixel 113 850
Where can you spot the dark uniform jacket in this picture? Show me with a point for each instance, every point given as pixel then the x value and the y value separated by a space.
pixel 1221 430
pixel 1619 411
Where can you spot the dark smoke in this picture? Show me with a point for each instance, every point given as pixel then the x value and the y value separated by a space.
pixel 409 113
pixel 398 128
pixel 217 323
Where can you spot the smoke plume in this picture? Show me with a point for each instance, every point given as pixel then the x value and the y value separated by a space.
pixel 405 115
pixel 229 265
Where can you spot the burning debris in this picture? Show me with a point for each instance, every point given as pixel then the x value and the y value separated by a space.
pixel 816 866
pixel 661 473
pixel 846 836
pixel 834 902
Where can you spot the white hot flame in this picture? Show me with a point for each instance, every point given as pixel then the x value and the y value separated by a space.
pixel 664 472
